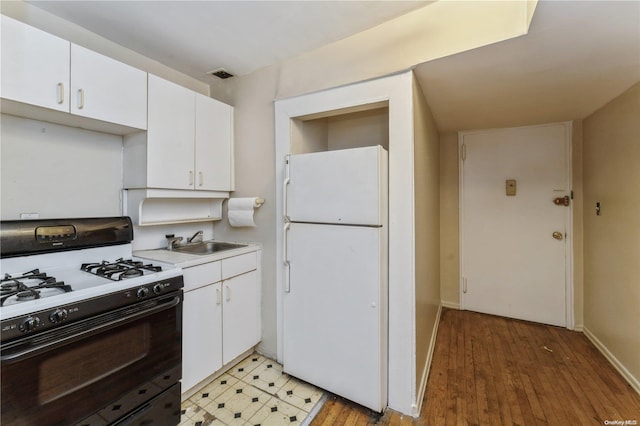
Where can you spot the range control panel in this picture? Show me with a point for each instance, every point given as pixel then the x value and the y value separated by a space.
pixel 48 234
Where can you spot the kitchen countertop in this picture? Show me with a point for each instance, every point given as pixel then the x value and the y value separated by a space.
pixel 185 260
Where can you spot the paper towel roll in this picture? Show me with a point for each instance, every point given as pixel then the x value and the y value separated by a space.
pixel 240 211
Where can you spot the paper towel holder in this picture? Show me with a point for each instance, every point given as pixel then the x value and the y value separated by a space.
pixel 259 202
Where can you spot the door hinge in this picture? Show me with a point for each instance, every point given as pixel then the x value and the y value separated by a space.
pixel 464 284
pixel 463 153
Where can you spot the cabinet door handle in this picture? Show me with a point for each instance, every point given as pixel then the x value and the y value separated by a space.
pixel 201 178
pixel 60 93
pixel 190 177
pixel 80 98
pixel 228 291
pixel 218 300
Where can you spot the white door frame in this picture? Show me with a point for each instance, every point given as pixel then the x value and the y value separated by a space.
pixel 397 91
pixel 569 312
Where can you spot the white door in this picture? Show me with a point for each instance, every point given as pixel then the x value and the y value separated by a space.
pixel 513 247
pixel 335 311
pixel 345 186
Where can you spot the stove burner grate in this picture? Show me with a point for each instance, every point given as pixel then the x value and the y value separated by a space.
pixel 19 287
pixel 120 269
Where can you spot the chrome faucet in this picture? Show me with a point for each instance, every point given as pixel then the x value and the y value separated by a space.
pixel 196 238
pixel 172 241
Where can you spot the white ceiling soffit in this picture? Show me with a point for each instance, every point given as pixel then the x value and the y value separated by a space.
pixel 577 56
pixel 196 37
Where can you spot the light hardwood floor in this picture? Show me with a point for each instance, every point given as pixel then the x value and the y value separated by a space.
pixel 490 370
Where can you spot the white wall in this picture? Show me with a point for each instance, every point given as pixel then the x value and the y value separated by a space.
pixel 359 129
pixel 612 239
pixel 58 171
pixel 427 235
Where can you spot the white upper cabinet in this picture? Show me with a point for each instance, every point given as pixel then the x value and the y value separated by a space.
pixel 108 90
pixel 188 144
pixel 213 144
pixel 42 70
pixel 170 136
pixel 35 66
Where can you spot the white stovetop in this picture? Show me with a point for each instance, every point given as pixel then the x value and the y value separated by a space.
pixel 65 266
pixel 185 260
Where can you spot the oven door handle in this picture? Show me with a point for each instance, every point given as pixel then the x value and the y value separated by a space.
pixel 16 354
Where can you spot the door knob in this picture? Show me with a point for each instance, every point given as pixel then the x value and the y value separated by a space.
pixel 562 201
pixel 557 235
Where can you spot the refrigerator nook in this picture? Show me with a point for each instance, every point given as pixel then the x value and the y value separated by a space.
pixel 336 280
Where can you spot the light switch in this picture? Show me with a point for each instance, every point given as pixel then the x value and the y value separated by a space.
pixel 511 187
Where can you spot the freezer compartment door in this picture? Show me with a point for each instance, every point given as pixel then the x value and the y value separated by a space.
pixel 335 315
pixel 347 186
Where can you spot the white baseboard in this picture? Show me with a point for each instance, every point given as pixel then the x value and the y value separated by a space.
pixel 425 372
pixel 450 305
pixel 633 381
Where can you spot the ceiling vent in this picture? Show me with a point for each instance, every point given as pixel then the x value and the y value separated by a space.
pixel 221 73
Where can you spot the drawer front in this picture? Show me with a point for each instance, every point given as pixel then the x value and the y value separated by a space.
pixel 201 275
pixel 239 265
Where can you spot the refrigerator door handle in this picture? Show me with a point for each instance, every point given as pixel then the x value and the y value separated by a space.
pixel 285 185
pixel 285 260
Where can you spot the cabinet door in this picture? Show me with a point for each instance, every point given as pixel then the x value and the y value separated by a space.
pixel 35 66
pixel 170 135
pixel 241 315
pixel 107 90
pixel 201 334
pixel 214 144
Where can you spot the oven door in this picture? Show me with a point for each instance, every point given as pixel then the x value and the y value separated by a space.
pixel 103 370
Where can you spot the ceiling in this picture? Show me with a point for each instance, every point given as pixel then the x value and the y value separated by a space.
pixel 196 37
pixel 577 56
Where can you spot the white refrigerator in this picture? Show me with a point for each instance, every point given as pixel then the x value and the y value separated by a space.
pixel 336 279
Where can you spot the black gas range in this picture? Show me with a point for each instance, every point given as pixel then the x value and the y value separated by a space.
pixel 90 334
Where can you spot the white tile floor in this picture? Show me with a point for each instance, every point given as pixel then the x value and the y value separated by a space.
pixel 255 392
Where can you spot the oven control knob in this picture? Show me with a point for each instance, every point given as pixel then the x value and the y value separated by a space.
pixel 58 315
pixel 157 289
pixel 142 292
pixel 29 324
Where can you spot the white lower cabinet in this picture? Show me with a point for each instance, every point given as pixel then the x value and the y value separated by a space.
pixel 240 326
pixel 201 334
pixel 221 315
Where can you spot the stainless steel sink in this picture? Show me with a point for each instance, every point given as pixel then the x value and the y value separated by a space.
pixel 207 247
